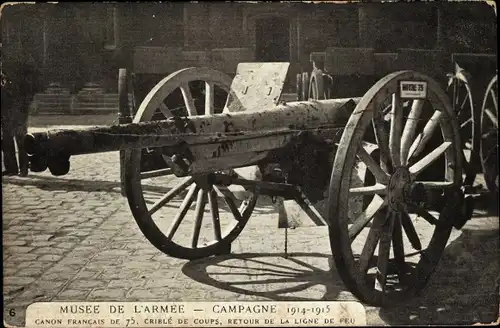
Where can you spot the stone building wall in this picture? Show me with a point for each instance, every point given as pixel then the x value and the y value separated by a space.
pixel 75 43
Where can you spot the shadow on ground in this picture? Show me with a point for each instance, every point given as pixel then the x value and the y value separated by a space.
pixel 486 204
pixel 463 290
pixel 275 276
pixel 50 183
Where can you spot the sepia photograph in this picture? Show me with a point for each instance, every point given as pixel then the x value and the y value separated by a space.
pixel 249 164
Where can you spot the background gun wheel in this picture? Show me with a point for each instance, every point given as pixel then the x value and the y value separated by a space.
pixel 489 136
pixel 462 101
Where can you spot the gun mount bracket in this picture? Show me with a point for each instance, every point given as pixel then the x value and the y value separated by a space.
pixel 179 158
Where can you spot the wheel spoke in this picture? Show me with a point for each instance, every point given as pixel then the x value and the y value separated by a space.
pixel 214 208
pixel 494 99
pixel 490 134
pixel 377 189
pixel 209 98
pixel 456 94
pixel 165 110
pixel 362 220
pixel 156 173
pixel 418 167
pixel 491 152
pixel 409 130
pixel 387 109
pixel 398 248
pixel 371 241
pixel 492 117
pixel 410 231
pixel 383 143
pixel 467 122
pixel 188 99
pixel 226 193
pixel 464 101
pixel 182 211
pixel 171 194
pixel 384 249
pixel 244 209
pixel 395 132
pixel 422 139
pixel 424 214
pixel 199 211
pixel 374 168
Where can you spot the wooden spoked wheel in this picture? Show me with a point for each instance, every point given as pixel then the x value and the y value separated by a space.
pixel 489 136
pixel 161 204
pixel 463 106
pixel 386 253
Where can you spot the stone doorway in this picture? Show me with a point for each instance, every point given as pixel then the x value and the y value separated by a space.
pixel 272 39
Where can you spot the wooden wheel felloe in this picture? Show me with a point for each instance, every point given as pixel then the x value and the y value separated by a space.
pixel 379 253
pixel 316 87
pixel 305 86
pixel 299 87
pixel 463 106
pixel 489 136
pixel 162 213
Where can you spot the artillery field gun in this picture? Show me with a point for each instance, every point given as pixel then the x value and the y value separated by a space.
pixel 386 165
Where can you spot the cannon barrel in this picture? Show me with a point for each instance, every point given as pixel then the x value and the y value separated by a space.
pixel 257 129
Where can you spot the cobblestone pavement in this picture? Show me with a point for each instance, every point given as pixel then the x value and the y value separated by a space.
pixel 74 238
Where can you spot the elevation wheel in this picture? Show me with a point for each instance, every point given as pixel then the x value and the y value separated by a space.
pixel 489 136
pixel 386 253
pixel 320 85
pixel 316 86
pixel 161 204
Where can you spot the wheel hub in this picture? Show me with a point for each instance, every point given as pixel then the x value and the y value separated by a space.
pixel 399 189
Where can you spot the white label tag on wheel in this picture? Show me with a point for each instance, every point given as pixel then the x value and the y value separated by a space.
pixel 413 89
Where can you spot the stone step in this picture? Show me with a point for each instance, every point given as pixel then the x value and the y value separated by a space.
pixel 92 90
pixel 54 112
pixel 98 104
pixel 46 104
pixel 54 103
pixel 93 87
pixel 57 92
pixel 52 96
pixel 94 99
pixel 49 110
pixel 93 110
pixel 107 94
pixel 101 95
